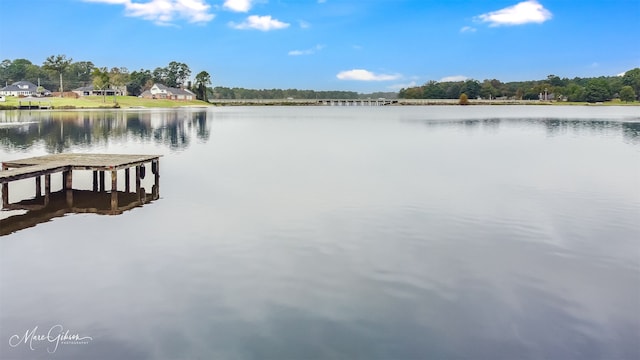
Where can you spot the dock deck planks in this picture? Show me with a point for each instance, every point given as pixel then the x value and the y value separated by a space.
pixel 85 161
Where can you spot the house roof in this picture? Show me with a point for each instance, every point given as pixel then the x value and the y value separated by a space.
pixel 16 86
pixel 174 91
pixel 84 88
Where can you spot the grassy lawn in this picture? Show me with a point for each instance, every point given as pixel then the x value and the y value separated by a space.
pixel 94 102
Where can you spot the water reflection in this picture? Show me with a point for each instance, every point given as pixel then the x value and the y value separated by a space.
pixel 60 203
pixel 350 233
pixel 553 126
pixel 60 131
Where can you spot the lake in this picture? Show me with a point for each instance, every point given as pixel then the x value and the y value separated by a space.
pixel 435 232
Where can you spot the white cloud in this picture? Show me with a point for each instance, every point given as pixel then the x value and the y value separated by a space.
pixel 311 51
pixel 164 12
pixel 365 75
pixel 467 29
pixel 453 78
pixel 238 5
pixel 525 12
pixel 262 23
pixel 303 24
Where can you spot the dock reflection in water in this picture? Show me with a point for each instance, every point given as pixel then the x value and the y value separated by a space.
pixel 43 208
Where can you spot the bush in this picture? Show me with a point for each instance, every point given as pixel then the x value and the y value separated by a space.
pixel 627 94
pixel 464 100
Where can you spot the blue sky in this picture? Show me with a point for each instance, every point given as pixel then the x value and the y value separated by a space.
pixel 364 46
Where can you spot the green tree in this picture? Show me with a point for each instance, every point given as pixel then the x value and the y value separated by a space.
pixel 488 91
pixel 597 90
pixel 627 94
pixel 471 88
pixel 118 78
pixel 452 89
pixel 179 73
pixel 203 79
pixel 575 92
pixel 17 69
pixel 59 64
pixel 632 78
pixel 80 73
pixel 101 81
pixel 174 75
pixel 555 81
pixel 433 90
pixel 139 81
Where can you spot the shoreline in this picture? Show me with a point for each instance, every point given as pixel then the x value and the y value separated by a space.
pixel 62 104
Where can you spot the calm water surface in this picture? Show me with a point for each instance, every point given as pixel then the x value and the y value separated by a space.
pixel 336 233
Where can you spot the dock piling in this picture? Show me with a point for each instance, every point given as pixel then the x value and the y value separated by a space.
pixel 38 186
pixel 127 180
pixel 101 181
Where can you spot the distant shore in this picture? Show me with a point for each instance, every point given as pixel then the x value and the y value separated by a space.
pixel 131 102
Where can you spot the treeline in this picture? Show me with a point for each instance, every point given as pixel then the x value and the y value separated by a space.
pixel 225 93
pixel 59 73
pixel 626 88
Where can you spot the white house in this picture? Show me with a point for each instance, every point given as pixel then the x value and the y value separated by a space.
pixel 159 91
pixel 22 88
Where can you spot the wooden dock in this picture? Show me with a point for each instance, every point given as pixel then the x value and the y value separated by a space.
pixel 99 164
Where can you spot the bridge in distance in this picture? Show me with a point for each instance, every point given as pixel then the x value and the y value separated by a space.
pixel 361 102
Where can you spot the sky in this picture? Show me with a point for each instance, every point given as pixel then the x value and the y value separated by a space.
pixel 351 45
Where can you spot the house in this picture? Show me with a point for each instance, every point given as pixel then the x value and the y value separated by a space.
pixel 111 91
pixel 159 91
pixel 23 88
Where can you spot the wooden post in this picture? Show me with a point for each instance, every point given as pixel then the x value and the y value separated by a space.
pixel 5 194
pixel 95 180
pixel 157 174
pixel 70 180
pixel 47 188
pixel 138 181
pixel 101 180
pixel 126 180
pixel 38 186
pixel 114 190
pixel 114 180
pixel 67 179
pixel 155 189
pixel 69 195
